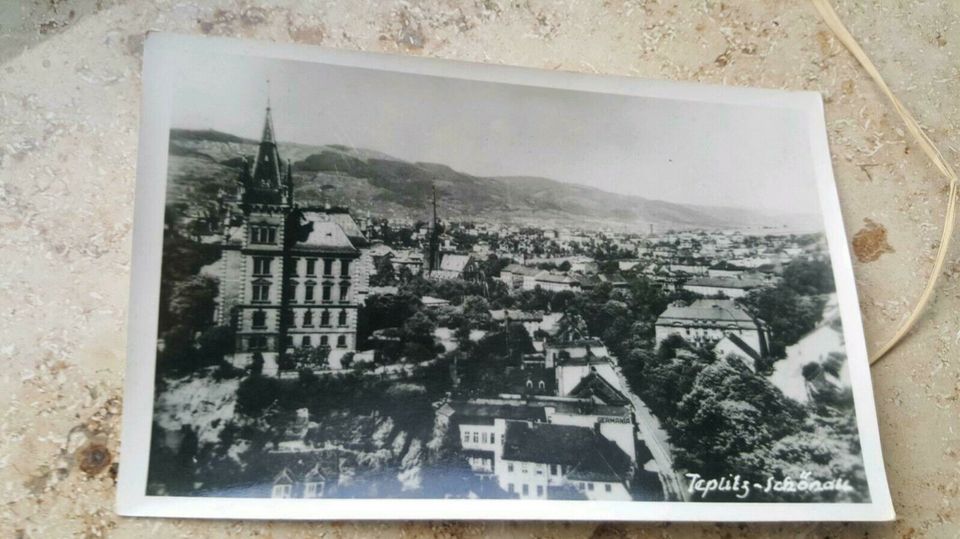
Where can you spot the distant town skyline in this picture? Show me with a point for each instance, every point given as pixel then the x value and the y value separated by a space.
pixel 685 152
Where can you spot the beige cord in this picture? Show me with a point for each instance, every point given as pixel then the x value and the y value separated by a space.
pixel 833 22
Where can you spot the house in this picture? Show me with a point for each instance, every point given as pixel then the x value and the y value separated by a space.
pixel 290 276
pixel 518 276
pixel 313 473
pixel 705 322
pixel 556 282
pixel 615 280
pixel 431 302
pixel 728 287
pixel 413 261
pixel 725 269
pixel 565 348
pixel 456 266
pixel 530 466
pixel 532 320
pixel 570 374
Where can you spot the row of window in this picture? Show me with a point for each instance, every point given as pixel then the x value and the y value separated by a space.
pixel 259 320
pixel 581 486
pixel 555 469
pixel 307 341
pixel 259 342
pixel 262 266
pixel 479 437
pixel 261 293
pixel 310 490
pixel 263 234
pixel 524 489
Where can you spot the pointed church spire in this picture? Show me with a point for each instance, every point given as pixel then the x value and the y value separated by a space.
pixel 268 123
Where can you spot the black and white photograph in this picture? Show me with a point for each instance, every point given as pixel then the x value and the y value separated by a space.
pixel 372 287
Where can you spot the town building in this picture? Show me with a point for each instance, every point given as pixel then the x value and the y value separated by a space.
pixel 705 322
pixel 728 287
pixel 290 276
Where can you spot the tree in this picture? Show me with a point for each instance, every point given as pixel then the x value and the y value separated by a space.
pixel 418 338
pixel 809 277
pixel 192 302
pixel 215 343
pixel 476 312
pixel 385 275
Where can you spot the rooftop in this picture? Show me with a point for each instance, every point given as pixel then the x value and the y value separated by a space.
pixel 586 454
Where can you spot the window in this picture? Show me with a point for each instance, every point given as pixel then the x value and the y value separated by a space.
pixel 590 486
pixel 523 468
pixel 510 467
pixel 308 293
pixel 311 266
pixel 292 292
pixel 261 293
pixel 539 491
pixel 466 436
pixel 259 319
pixel 263 234
pixel 476 437
pixel 342 318
pixel 326 292
pixel 258 343
pixel 308 319
pixel 261 265
pixel 484 437
pixel 554 469
pixel 541 385
pixel 608 487
pixel 325 318
pixel 294 264
pixel 540 469
pixel 288 341
pixel 307 342
pixel 342 341
pixel 309 490
pixel 281 491
pixel 344 292
pixel 345 268
pixel 526 490
pixel 327 266
pixel 324 340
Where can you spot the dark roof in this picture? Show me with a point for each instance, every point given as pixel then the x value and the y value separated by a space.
pixel 746 348
pixel 586 454
pixel 595 386
pixel 721 313
pixel 473 413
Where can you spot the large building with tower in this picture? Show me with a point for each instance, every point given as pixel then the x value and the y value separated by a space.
pixel 291 276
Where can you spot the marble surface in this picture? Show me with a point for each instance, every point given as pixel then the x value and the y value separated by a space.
pixel 69 98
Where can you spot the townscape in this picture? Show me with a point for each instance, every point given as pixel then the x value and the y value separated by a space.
pixel 309 349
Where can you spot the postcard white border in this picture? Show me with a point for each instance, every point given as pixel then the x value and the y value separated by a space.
pixel 161 54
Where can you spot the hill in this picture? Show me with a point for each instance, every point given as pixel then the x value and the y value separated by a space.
pixel 368 180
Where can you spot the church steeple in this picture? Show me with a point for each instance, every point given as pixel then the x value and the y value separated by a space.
pixel 269 181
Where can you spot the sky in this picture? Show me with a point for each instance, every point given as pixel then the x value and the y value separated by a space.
pixel 681 151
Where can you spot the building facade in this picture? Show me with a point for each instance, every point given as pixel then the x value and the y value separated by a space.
pixel 291 276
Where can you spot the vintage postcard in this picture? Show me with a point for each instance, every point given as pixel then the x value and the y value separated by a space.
pixel 381 287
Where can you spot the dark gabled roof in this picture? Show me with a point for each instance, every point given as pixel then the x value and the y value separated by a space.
pixel 597 387
pixel 586 454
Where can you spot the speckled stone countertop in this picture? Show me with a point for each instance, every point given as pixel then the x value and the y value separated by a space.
pixel 69 101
